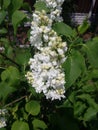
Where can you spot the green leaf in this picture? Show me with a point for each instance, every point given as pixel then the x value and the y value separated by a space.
pixel 89 100
pixel 6 3
pixel 17 18
pixel 3 31
pixel 23 56
pixel 73 66
pixel 91 48
pixel 32 90
pixel 64 120
pixel 16 4
pixel 39 124
pixel 9 52
pixel 94 73
pixel 40 5
pixel 88 88
pixel 64 29
pixel 27 7
pixel 33 108
pixel 79 108
pixel 90 114
pixel 5 43
pixel 2 16
pixel 20 125
pixel 72 97
pixel 2 128
pixel 66 104
pixel 5 90
pixel 11 76
pixel 83 27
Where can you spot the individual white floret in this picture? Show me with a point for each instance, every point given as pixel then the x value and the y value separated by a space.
pixel 45 37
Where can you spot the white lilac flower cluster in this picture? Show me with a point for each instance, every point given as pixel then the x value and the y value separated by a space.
pixel 55 9
pixel 2 49
pixel 2 118
pixel 40 27
pixel 46 74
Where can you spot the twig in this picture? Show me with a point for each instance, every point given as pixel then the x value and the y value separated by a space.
pixel 11 103
pixel 9 59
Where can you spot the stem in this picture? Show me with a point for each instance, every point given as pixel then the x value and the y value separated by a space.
pixel 2 68
pixel 9 59
pixel 72 45
pixel 17 100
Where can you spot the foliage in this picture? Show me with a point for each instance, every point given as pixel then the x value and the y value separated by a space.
pixel 28 110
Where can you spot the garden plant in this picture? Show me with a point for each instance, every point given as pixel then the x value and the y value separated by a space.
pixel 51 81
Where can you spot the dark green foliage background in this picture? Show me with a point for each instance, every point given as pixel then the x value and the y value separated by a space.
pixel 31 111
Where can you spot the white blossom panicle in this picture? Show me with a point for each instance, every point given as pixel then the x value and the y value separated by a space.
pixel 52 4
pixel 2 122
pixel 41 25
pixel 2 49
pixel 46 74
pixel 55 9
pixel 42 22
pixel 3 113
